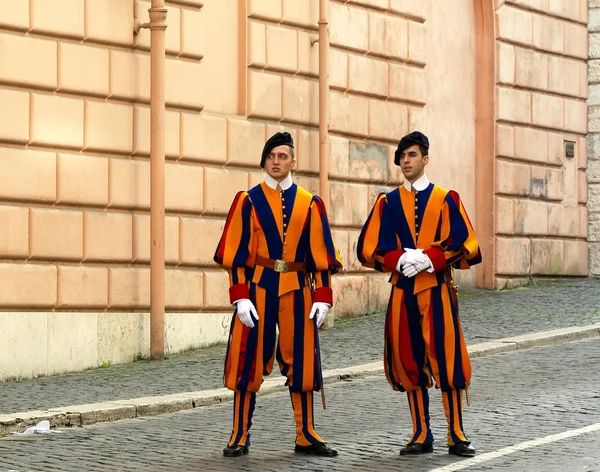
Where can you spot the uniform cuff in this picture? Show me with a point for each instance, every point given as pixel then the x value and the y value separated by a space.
pixel 237 292
pixel 437 258
pixel 391 259
pixel 323 295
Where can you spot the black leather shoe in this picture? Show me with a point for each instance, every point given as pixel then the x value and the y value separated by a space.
pixel 316 450
pixel 416 449
pixel 235 451
pixel 462 449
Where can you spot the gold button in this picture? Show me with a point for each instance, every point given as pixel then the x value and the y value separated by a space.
pixel 283 207
pixel 284 225
pixel 416 199
pixel 285 216
pixel 282 199
pixel 416 216
pixel 416 207
pixel 416 224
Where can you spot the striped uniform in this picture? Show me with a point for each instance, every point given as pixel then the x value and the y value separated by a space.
pixel 291 225
pixel 423 335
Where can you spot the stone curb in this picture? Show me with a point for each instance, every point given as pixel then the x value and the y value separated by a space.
pixel 81 415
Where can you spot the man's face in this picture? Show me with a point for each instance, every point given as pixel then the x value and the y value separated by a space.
pixel 413 163
pixel 279 162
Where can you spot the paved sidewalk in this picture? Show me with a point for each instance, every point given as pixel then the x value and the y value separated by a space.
pixel 486 315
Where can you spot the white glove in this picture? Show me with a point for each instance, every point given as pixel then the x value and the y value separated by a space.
pixel 410 256
pixel 245 311
pixel 321 310
pixel 410 270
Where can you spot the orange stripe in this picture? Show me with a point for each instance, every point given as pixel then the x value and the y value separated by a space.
pixel 449 336
pixel 234 354
pixel 424 300
pixel 408 206
pixel 234 234
pixel 457 411
pixel 308 372
pixel 394 333
pixel 257 379
pixel 421 419
pixel 286 331
pixel 430 217
pixel 236 417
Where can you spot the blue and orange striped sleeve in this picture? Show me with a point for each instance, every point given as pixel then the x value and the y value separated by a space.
pixel 323 258
pixel 378 246
pixel 236 246
pixel 458 245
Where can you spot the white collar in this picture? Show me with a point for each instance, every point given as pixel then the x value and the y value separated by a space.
pixel 420 184
pixel 285 183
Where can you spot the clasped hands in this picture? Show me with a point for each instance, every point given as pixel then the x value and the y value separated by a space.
pixel 412 262
pixel 246 311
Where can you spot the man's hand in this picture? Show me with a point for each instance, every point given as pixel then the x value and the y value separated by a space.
pixel 245 311
pixel 410 257
pixel 321 310
pixel 410 270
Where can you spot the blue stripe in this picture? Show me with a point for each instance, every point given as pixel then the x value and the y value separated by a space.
pixel 395 219
pixel 297 374
pixel 251 343
pixel 458 228
pixel 271 309
pixel 459 375
pixel 389 350
pixel 416 416
pixel 438 335
pixel 239 401
pixel 416 335
pixel 243 252
pixel 267 222
pixel 233 317
pixel 305 420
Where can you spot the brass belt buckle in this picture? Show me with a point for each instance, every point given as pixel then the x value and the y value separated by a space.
pixel 281 266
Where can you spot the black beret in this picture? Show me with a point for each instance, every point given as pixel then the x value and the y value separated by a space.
pixel 278 139
pixel 416 137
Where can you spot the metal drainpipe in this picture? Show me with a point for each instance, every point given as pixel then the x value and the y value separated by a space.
pixel 324 101
pixel 157 26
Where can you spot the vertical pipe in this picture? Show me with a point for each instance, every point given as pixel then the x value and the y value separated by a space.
pixel 157 25
pixel 485 152
pixel 324 101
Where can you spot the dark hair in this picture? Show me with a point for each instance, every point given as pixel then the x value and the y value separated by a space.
pixel 424 150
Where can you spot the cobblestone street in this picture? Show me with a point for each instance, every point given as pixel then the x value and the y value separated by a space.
pixel 515 398
pixel 485 315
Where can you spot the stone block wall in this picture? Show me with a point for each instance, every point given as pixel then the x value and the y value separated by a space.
pixel 542 87
pixel 593 172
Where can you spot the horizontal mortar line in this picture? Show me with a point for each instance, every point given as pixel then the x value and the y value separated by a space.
pixel 158 404
pixel 539 127
pixel 123 309
pixel 543 237
pixel 380 98
pixel 185 5
pixel 541 92
pixel 387 11
pixel 284 73
pixel 38 90
pixel 287 24
pixel 545 13
pixel 356 180
pixel 107 264
pixel 522 160
pixel 385 142
pixel 547 52
pixel 361 52
pixel 516 195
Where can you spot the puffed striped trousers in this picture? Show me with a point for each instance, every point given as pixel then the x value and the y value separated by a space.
pixel 423 339
pixel 250 356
